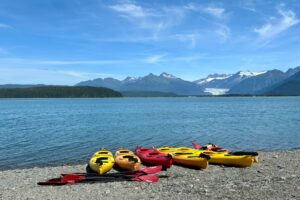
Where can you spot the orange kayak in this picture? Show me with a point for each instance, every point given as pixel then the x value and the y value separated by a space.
pixel 127 160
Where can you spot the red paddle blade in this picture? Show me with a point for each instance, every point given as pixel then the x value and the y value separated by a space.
pixel 151 170
pixel 72 178
pixel 196 145
pixel 145 178
pixel 58 181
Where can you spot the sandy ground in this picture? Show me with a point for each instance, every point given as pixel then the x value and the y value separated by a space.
pixel 276 176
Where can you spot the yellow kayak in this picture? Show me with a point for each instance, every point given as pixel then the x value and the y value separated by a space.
pixel 190 159
pixel 220 158
pixel 229 160
pixel 186 157
pixel 102 161
pixel 167 149
pixel 127 160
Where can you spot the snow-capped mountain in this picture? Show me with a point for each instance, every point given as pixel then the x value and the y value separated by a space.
pixel 166 75
pixel 219 84
pixel 262 81
pixel 225 81
pixel 130 79
pixel 212 77
pixel 249 73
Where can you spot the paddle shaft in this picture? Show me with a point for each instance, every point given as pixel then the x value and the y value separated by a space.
pixel 144 171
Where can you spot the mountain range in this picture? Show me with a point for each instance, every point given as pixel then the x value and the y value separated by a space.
pixel 272 82
pixel 240 83
pixel 163 83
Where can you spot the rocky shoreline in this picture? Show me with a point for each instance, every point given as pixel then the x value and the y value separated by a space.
pixel 275 176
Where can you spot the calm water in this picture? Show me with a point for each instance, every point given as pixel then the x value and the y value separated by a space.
pixel 38 132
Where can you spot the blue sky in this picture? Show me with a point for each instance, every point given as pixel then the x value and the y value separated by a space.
pixel 67 41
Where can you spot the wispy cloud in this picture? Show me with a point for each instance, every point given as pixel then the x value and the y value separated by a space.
pixel 154 58
pixel 159 20
pixel 131 10
pixel 249 5
pixel 2 25
pixel 214 11
pixel 223 31
pixel 81 74
pixel 211 10
pixel 192 38
pixel 21 61
pixel 47 76
pixel 154 20
pixel 277 25
pixel 163 58
pixel 140 17
pixel 219 19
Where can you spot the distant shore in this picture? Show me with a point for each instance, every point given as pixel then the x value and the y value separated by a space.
pixel 58 92
pixel 275 176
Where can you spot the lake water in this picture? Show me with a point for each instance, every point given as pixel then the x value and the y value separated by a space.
pixel 37 132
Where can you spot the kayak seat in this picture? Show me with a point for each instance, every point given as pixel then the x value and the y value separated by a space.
pixel 102 152
pixel 202 155
pixel 131 158
pixel 153 153
pixel 101 160
pixel 124 151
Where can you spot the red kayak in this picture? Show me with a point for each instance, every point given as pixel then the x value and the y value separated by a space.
pixel 153 157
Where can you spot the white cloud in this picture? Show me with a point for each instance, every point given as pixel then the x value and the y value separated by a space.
pixel 153 21
pixel 249 5
pixel 214 11
pixel 211 10
pixel 46 76
pixel 2 25
pixel 21 61
pixel 223 31
pixel 192 7
pixel 142 18
pixel 162 58
pixel 219 21
pixel 154 58
pixel 192 38
pixel 81 75
pixel 188 58
pixel 148 21
pixel 277 25
pixel 131 10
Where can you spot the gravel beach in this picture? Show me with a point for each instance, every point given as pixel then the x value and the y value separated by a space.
pixel 275 176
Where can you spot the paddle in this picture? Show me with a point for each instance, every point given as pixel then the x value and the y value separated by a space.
pixel 212 148
pixel 73 178
pixel 236 153
pixel 143 171
pixel 244 153
pixel 196 145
